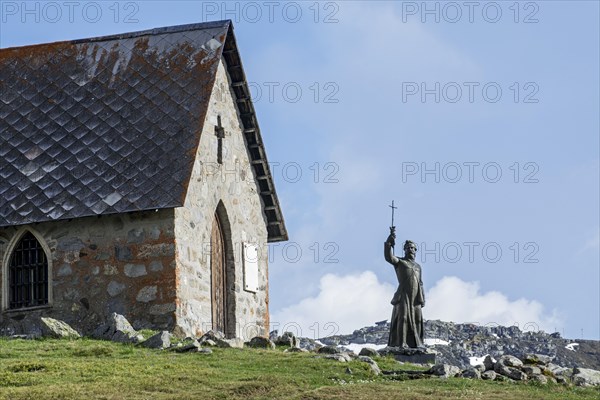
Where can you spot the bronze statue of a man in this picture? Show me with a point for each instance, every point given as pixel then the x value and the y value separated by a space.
pixel 406 328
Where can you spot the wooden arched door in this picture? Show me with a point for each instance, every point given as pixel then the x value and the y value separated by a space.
pixel 218 277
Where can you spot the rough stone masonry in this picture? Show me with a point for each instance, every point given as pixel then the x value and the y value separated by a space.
pixel 110 162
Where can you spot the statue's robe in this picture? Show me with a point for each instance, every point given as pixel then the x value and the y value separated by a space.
pixel 406 326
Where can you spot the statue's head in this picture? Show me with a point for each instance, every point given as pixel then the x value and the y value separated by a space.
pixel 410 249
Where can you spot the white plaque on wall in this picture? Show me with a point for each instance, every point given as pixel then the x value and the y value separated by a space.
pixel 250 267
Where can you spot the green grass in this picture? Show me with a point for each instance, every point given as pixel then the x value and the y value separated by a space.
pixel 90 369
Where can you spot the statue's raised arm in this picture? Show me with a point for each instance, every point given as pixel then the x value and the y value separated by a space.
pixel 388 247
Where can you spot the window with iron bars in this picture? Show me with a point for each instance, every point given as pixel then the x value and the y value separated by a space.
pixel 28 274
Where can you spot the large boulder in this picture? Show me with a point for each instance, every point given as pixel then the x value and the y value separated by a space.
pixel 479 367
pixel 586 377
pixel 510 361
pixel 509 366
pixel 259 342
pixel 287 339
pixel 374 367
pixel 29 327
pixel 488 375
pixel 561 374
pixel 531 370
pixel 444 370
pixel 472 373
pixel 117 329
pixel 537 359
pixel 368 352
pixel 558 370
pixel 510 372
pixel 273 335
pixel 235 343
pixel 329 350
pixel 488 363
pixel 309 344
pixel 57 329
pixel 161 340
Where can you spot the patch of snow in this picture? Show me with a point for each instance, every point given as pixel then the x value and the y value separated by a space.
pixel 478 360
pixel 356 348
pixel 434 342
pixel 571 346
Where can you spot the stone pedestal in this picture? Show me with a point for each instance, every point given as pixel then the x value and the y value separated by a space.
pixel 409 355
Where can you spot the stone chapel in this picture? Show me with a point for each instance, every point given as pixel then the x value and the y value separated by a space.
pixel 134 179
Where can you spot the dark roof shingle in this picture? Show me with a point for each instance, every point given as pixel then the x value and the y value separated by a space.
pixel 106 125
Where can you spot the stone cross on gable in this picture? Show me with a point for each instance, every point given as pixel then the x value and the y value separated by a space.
pixel 220 134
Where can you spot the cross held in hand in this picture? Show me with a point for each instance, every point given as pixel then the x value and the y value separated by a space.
pixel 393 208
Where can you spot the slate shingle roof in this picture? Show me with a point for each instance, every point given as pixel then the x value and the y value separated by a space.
pixel 110 125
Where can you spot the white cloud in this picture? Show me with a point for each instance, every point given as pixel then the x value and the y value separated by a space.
pixel 452 299
pixel 346 303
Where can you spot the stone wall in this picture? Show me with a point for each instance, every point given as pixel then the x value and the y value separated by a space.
pixel 99 265
pixel 154 267
pixel 231 189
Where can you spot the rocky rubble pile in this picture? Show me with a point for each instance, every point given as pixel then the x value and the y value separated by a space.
pixel 466 341
pixel 533 367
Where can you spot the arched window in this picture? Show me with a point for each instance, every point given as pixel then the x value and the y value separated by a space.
pixel 27 274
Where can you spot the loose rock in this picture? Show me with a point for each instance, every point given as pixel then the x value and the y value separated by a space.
pixel 295 350
pixel 369 352
pixel 488 363
pixel 235 343
pixel 541 379
pixel 374 367
pixel 444 370
pixel 287 339
pixel 510 372
pixel 471 373
pixel 161 340
pixel 58 329
pixel 329 350
pixel 117 329
pixel 336 357
pixel 192 346
pixel 480 368
pixel 259 342
pixel 537 359
pixel 212 335
pixel 586 377
pixel 531 370
pixel 488 375
pixel 510 361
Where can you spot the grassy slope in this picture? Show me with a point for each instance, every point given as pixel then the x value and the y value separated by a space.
pixel 88 369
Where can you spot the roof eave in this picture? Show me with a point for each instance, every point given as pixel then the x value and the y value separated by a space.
pixel 276 229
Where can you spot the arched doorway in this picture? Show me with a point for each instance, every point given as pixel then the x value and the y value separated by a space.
pixel 218 266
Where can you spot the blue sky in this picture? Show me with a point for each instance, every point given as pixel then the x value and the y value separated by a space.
pixel 481 123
